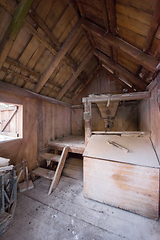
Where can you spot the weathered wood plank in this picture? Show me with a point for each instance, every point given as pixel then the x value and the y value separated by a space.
pixel 117 97
pixel 13 29
pixel 124 186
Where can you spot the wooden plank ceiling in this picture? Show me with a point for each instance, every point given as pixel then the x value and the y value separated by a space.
pixel 56 47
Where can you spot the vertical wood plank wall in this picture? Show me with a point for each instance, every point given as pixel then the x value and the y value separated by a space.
pixel 42 122
pixel 102 83
pixel 149 118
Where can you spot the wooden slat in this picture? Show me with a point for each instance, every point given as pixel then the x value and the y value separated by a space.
pixel 50 157
pixel 18 75
pixel 114 66
pixel 117 97
pixel 22 67
pixel 75 75
pixel 139 56
pixel 13 29
pixel 67 44
pixel 59 170
pixel 42 172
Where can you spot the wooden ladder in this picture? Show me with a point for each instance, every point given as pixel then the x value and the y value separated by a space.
pixel 54 176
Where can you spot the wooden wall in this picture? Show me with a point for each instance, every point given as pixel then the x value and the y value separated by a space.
pixel 149 117
pixel 42 122
pixel 103 83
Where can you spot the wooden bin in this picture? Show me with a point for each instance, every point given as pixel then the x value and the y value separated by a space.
pixel 127 180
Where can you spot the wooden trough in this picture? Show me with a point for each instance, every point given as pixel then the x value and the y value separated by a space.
pixel 124 174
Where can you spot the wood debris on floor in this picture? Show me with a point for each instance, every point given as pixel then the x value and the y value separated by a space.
pixel 66 214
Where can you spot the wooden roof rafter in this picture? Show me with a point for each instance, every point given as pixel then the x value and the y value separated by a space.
pixel 84 85
pixel 87 58
pixel 138 55
pixel 115 66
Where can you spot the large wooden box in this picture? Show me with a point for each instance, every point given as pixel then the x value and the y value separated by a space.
pixel 128 181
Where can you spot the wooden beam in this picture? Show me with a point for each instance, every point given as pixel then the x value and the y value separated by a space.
pixel 114 66
pixel 22 67
pixel 6 5
pixel 8 88
pixel 13 29
pixel 138 55
pixel 153 28
pixel 67 44
pixel 111 15
pixel 85 84
pixel 105 15
pixel 117 97
pixel 75 75
pixel 18 75
pixel 44 27
pixel 87 120
pixel 116 79
pixel 29 71
pixel 80 7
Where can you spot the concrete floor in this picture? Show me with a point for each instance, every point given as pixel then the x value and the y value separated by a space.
pixel 66 214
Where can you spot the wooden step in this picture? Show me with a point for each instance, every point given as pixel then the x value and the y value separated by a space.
pixel 43 172
pixel 50 157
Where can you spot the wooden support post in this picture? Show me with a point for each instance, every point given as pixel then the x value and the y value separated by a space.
pixel 13 29
pixel 87 119
pixel 158 87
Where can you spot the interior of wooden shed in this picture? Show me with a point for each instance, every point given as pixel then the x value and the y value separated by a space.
pixel 71 71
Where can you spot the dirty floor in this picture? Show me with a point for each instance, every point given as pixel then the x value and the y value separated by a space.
pixel 66 214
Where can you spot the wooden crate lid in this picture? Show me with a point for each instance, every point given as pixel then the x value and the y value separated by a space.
pixel 140 152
